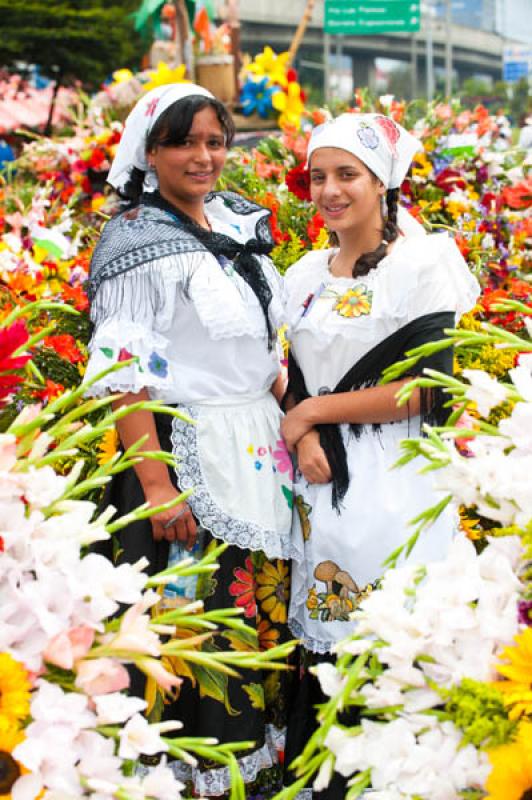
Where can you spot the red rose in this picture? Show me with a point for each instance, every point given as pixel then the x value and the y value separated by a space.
pixel 298 182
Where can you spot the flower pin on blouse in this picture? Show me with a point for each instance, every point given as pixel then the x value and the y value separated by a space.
pixel 356 302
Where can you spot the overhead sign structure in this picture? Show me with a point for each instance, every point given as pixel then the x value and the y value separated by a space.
pixel 371 17
pixel 517 63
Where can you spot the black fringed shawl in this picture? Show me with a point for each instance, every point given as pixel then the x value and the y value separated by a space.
pixel 157 229
pixel 368 372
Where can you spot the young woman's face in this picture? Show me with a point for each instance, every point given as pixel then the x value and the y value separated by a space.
pixel 345 192
pixel 189 171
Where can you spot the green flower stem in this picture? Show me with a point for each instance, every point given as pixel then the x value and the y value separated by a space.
pixel 145 511
pixel 38 306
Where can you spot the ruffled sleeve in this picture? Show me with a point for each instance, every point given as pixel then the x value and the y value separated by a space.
pixel 132 313
pixel 443 280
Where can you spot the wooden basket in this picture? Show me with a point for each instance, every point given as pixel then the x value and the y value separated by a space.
pixel 216 73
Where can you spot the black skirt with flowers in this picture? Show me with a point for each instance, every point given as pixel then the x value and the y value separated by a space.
pixel 252 707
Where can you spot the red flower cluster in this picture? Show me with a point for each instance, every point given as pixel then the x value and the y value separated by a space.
pixel 448 180
pixel 65 346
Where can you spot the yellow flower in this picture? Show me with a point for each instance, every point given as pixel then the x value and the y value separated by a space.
pixel 312 599
pixel 517 689
pixel 165 74
pixel 269 65
pixel 14 691
pixel 108 446
pixel 322 241
pixel 422 165
pixel 121 76
pixel 272 589
pixel 290 105
pixel 470 526
pixel 356 302
pixel 283 341
pixel 10 769
pixel 511 776
pixel 428 206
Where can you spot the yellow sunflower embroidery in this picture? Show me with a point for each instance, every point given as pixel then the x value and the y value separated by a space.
pixel 14 691
pixel 356 302
pixel 272 592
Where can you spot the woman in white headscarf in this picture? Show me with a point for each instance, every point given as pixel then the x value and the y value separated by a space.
pixel 383 288
pixel 182 288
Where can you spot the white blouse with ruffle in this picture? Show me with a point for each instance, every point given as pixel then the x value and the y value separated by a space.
pixel 334 321
pixel 193 324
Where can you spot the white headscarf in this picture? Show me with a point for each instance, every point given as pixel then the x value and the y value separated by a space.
pixel 131 151
pixel 385 147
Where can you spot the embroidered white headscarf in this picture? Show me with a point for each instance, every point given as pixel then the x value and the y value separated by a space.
pixel 131 151
pixel 383 145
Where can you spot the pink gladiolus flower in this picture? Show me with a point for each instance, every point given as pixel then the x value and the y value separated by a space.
pixel 154 668
pixel 135 634
pixel 68 647
pixel 101 676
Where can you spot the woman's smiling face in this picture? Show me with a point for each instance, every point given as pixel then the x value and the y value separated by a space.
pixel 345 192
pixel 188 172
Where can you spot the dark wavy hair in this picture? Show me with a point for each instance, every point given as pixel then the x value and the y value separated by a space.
pixel 171 129
pixel 390 231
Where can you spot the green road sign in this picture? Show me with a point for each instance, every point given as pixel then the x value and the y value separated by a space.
pixel 367 17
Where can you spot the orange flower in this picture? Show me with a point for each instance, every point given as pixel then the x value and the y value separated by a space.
pixel 268 635
pixel 65 346
pixel 50 392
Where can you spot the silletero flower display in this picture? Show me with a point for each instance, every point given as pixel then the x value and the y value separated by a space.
pixel 66 725
pixel 431 698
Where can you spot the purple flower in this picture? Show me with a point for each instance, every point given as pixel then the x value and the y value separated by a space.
pixel 368 137
pixel 524 609
pixel 158 365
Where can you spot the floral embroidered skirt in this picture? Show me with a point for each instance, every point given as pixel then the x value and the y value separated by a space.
pixel 252 707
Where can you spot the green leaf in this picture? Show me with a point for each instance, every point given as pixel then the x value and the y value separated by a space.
pixel 255 692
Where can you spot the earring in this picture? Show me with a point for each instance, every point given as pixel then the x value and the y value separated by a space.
pixel 384 206
pixel 151 181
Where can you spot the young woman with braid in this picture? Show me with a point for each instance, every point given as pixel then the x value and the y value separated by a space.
pixel 181 288
pixel 384 287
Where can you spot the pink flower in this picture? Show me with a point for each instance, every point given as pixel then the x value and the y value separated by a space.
pixel 69 646
pixel 101 676
pixel 154 668
pixel 134 634
pixel 443 111
pixel 283 459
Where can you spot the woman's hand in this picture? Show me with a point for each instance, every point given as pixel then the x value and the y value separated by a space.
pixel 296 424
pixel 311 459
pixel 175 524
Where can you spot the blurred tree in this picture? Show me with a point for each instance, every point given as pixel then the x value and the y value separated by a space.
pixel 521 101
pixel 69 40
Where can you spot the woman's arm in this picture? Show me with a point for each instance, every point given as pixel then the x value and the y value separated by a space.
pixel 153 475
pixel 374 405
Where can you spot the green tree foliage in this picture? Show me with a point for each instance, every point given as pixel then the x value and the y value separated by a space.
pixel 75 40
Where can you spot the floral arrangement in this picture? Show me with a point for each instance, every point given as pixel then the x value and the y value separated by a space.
pixel 431 697
pixel 66 726
pixel 270 84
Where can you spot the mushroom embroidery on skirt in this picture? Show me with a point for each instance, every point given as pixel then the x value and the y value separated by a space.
pixel 340 596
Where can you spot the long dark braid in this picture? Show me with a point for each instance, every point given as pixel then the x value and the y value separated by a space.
pixel 131 193
pixel 368 261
